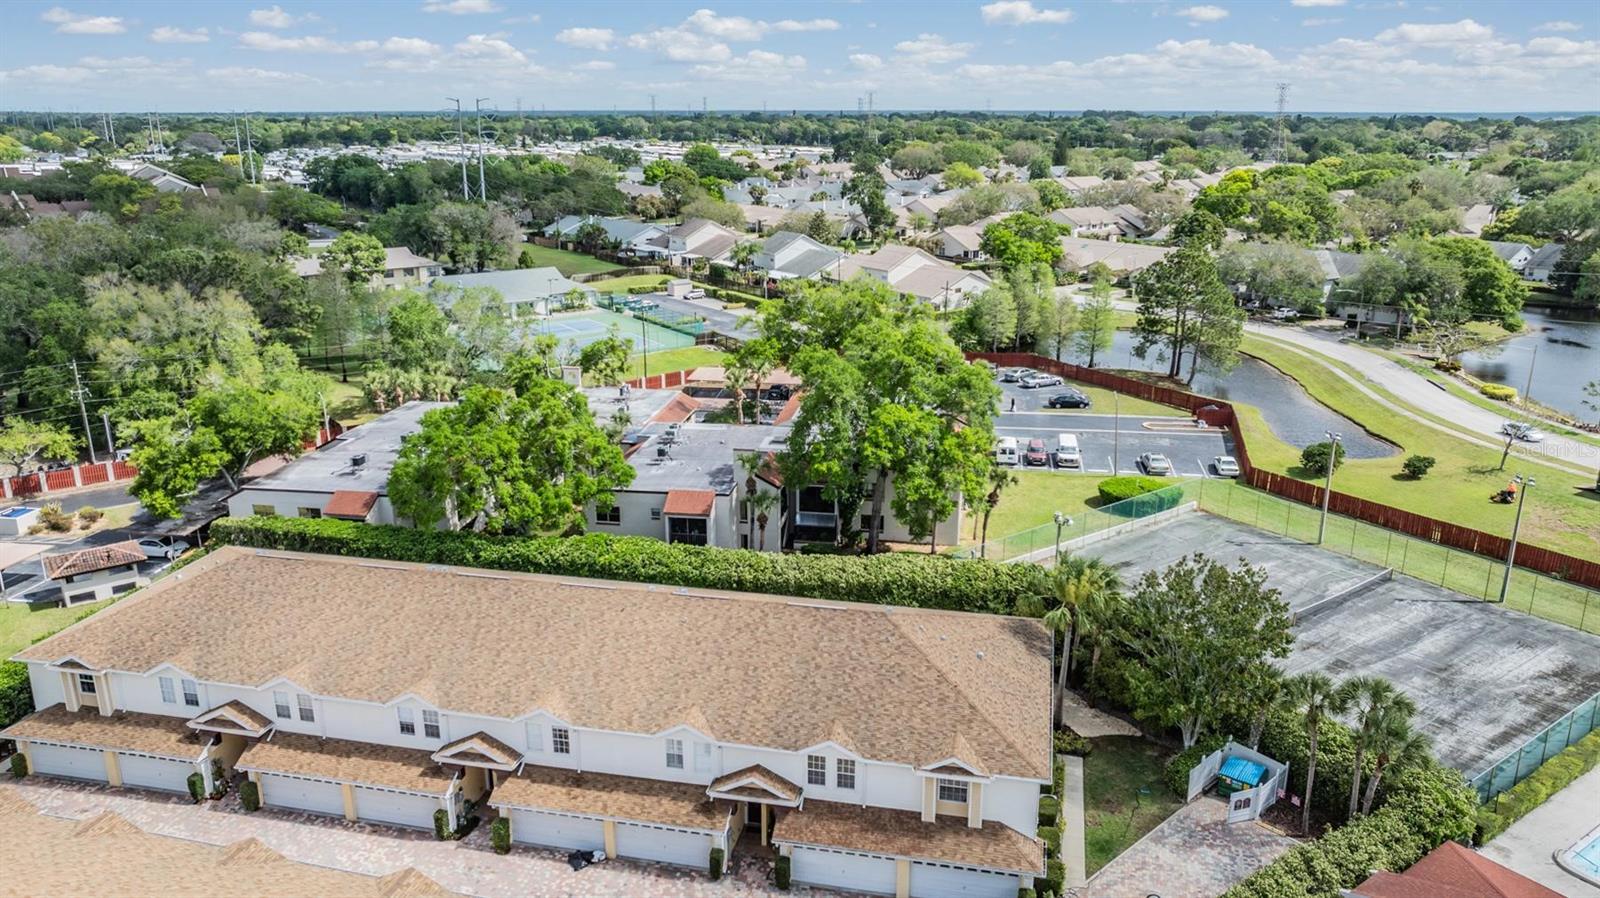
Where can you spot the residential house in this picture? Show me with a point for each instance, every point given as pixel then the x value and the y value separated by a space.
pixel 1543 263
pixel 633 190
pixel 1134 221
pixel 1475 218
pixel 914 272
pixel 787 255
pixel 700 238
pixel 633 238
pixel 1517 255
pixel 887 749
pixel 1075 185
pixel 961 242
pixel 402 269
pixel 347 477
pixel 95 573
pixel 1124 259
pixel 929 207
pixel 32 207
pixel 1451 871
pixel 533 291
pixel 1088 221
pixel 162 180
pixel 762 219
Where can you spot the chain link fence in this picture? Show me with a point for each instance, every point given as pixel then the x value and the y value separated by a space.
pixel 1516 766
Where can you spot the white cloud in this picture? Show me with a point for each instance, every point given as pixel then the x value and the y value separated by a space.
pixel 587 38
pixel 1559 26
pixel 681 45
pixel 119 62
pixel 704 35
pixel 1205 13
pixel 867 62
pixel 1315 22
pixel 1023 12
pixel 267 41
pixel 529 19
pixel 1317 2
pixel 49 74
pixel 272 17
pixel 246 75
pixel 68 22
pixel 756 65
pixel 490 50
pixel 596 65
pixel 461 7
pixel 410 46
pixel 1464 31
pixel 789 25
pixel 167 34
pixel 931 48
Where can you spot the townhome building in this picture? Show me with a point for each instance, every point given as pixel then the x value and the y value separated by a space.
pixel 881 749
pixel 914 272
pixel 787 256
pixel 1088 221
pixel 526 291
pixel 402 268
pixel 700 238
pixel 636 238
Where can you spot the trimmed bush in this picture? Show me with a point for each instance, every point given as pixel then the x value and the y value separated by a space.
pixel 1069 743
pixel 197 787
pixel 1051 837
pixel 715 866
pixel 1026 893
pixel 1049 810
pixel 780 873
pixel 19 765
pixel 891 578
pixel 1552 776
pixel 500 835
pixel 1055 875
pixel 1176 774
pixel 250 796
pixel 441 824
pixel 53 518
pixel 1314 458
pixel 1058 778
pixel 1498 392
pixel 1116 489
pixel 1416 466
pixel 16 693
pixel 88 515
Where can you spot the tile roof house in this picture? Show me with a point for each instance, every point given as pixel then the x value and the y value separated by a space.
pixel 1451 871
pixel 1091 221
pixel 701 238
pixel 1078 253
pixel 885 743
pixel 1517 255
pixel 1543 263
pixel 95 573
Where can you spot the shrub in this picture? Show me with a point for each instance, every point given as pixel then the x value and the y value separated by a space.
pixel 500 835
pixel 1025 893
pixel 1055 875
pixel 1069 743
pixel 1176 774
pixel 1049 810
pixel 1051 837
pixel 890 578
pixel 1116 489
pixel 1058 778
pixel 441 824
pixel 19 765
pixel 197 787
pixel 715 866
pixel 53 518
pixel 1416 466
pixel 780 873
pixel 1498 392
pixel 250 796
pixel 89 515
pixel 16 693
pixel 1552 776
pixel 1314 458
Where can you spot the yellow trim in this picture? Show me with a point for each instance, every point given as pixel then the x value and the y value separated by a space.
pixel 69 688
pixel 610 829
pixel 975 805
pixel 930 796
pixel 349 801
pixel 102 697
pixel 27 754
pixel 113 769
pixel 261 790
pixel 764 812
pixel 902 878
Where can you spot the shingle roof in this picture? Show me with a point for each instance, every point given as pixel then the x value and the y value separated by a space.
pixel 409 769
pixel 95 558
pixel 233 716
pixel 901 681
pixel 994 846
pixel 479 748
pixel 619 797
pixel 756 773
pixel 151 734
pixel 689 503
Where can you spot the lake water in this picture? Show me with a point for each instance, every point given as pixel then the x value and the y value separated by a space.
pixel 1563 354
pixel 1288 409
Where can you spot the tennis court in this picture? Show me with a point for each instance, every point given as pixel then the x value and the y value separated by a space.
pixel 582 328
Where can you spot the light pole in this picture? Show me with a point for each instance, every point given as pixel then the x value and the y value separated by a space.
pixel 1061 521
pixel 1327 487
pixel 1116 432
pixel 1511 554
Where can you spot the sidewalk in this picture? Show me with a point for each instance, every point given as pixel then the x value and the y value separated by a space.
pixel 1073 832
pixel 1529 845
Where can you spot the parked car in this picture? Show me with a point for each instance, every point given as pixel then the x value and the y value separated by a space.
pixel 1524 432
pixel 1035 381
pixel 1067 454
pixel 164 548
pixel 1036 455
pixel 1014 375
pixel 696 293
pixel 645 305
pixel 1005 451
pixel 1225 466
pixel 1286 314
pixel 1069 399
pixel 1155 464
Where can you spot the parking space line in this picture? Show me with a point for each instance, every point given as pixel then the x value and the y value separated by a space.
pixel 1202 465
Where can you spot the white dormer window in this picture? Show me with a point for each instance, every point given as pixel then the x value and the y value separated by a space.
pixel 561 740
pixel 430 724
pixel 169 692
pixel 306 714
pixel 191 693
pixel 86 684
pixel 280 704
pixel 675 754
pixel 535 738
pixel 953 791
pixel 408 721
pixel 816 770
pixel 844 773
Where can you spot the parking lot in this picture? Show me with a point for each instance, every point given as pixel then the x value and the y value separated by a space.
pixel 1485 679
pixel 1110 443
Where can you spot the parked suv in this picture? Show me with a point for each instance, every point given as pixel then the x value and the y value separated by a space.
pixel 1036 455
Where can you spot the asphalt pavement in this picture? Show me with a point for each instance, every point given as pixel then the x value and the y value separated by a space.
pixel 730 324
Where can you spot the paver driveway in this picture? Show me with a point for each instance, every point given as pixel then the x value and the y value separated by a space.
pixel 468 866
pixel 1195 853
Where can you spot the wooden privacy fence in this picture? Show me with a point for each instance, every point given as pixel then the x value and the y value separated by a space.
pixel 1219 413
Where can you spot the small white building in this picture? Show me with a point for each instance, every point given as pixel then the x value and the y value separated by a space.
pixel 99 572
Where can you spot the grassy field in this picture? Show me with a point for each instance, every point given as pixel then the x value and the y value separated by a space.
pixel 675 360
pixel 1033 501
pixel 568 263
pixel 1559 515
pixel 1124 796
pixel 626 283
pixel 19 627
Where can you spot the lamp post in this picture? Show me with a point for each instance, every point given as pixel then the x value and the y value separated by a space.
pixel 1061 521
pixel 1327 486
pixel 1511 554
pixel 1116 432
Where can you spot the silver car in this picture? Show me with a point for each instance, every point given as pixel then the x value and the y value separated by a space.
pixel 1225 466
pixel 1155 464
pixel 1524 432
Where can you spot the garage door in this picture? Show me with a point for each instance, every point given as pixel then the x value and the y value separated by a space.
pixel 669 846
pixel 557 831
pixel 60 760
pixel 305 795
pixel 396 807
pixel 934 881
pixel 843 870
pixel 155 773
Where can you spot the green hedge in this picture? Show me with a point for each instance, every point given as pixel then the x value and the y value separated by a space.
pixel 1552 776
pixel 250 796
pixel 19 765
pixel 714 865
pixel 893 578
pixel 1120 489
pixel 1068 742
pixel 16 693
pixel 1176 773
pixel 500 835
pixel 197 787
pixel 1499 392
pixel 780 872
pixel 1049 810
pixel 441 824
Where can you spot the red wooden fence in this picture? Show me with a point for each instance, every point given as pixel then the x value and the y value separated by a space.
pixel 1219 413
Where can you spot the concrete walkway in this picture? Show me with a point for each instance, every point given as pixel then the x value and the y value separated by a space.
pixel 1528 847
pixel 1195 853
pixel 1073 830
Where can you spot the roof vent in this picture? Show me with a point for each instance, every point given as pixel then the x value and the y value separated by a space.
pixel 358 460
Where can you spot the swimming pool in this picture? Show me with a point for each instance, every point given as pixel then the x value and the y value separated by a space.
pixel 17 512
pixel 1583 858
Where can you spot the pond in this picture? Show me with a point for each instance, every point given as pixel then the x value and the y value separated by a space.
pixel 1290 412
pixel 1562 354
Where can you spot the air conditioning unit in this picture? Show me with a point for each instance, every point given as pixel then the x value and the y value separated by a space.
pixel 357 461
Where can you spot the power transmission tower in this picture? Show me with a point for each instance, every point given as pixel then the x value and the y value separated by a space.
pixel 652 111
pixel 250 149
pixel 78 392
pixel 461 143
pixel 1283 132
pixel 483 192
pixel 871 137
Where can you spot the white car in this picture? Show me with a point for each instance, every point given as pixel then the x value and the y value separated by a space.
pixel 1155 464
pixel 1524 432
pixel 1035 381
pixel 1225 466
pixel 163 548
pixel 1286 314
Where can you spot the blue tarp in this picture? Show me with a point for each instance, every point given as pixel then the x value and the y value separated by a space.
pixel 1242 770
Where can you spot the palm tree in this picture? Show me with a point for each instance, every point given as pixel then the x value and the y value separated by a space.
pixel 760 504
pixel 1097 611
pixel 1000 477
pixel 1315 695
pixel 1371 698
pixel 752 462
pixel 1076 581
pixel 1397 746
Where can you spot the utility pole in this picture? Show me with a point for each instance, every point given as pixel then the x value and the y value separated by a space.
pixel 1527 391
pixel 461 141
pixel 1511 554
pixel 78 392
pixel 483 192
pixel 111 447
pixel 653 113
pixel 236 141
pixel 1327 487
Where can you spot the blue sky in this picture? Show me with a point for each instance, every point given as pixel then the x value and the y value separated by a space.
pixel 1338 55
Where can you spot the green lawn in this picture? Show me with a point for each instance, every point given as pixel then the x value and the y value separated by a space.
pixel 19 627
pixel 1108 401
pixel 1558 514
pixel 1124 796
pixel 568 263
pixel 627 282
pixel 1033 502
pixel 675 360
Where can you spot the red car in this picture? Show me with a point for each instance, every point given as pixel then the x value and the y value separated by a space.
pixel 1036 454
